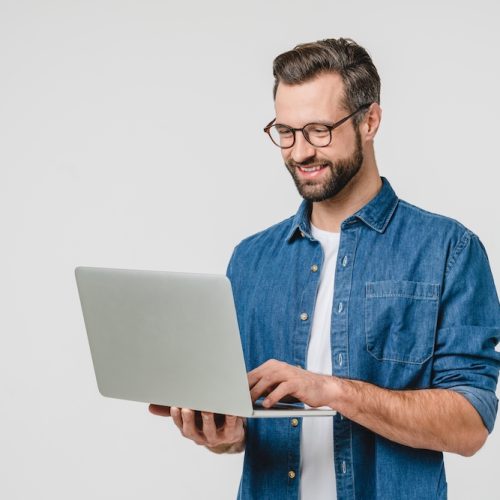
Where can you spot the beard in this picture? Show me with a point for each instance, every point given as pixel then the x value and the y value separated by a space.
pixel 340 174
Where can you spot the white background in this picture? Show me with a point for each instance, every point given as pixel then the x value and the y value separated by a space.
pixel 131 136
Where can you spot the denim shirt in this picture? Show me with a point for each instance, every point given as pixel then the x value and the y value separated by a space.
pixel 414 307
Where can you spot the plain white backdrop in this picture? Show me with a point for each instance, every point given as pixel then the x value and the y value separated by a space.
pixel 131 136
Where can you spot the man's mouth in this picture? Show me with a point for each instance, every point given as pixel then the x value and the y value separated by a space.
pixel 310 170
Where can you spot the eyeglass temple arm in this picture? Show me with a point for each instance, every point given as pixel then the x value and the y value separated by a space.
pixel 335 125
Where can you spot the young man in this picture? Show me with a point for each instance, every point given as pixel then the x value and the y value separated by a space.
pixel 360 302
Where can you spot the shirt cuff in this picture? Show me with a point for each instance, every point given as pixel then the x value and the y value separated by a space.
pixel 485 402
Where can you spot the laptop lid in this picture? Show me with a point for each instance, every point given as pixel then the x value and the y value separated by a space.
pixel 168 338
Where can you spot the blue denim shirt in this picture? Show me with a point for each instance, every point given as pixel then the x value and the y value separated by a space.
pixel 414 307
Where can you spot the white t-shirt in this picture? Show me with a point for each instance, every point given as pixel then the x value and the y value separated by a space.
pixel 317 471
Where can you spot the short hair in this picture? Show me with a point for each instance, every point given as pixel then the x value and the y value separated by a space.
pixel 336 55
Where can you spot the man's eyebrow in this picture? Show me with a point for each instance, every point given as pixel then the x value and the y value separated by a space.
pixel 319 122
pixel 323 122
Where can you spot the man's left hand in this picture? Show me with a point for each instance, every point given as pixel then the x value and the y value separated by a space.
pixel 277 380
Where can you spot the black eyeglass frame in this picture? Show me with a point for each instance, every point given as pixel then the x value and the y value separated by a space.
pixel 267 128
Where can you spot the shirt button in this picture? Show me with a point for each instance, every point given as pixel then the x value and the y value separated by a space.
pixel 340 359
pixel 302 234
pixel 295 422
pixel 291 474
pixel 304 316
pixel 344 261
pixel 341 307
pixel 314 268
pixel 344 467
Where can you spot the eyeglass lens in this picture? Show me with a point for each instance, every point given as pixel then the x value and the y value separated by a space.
pixel 315 133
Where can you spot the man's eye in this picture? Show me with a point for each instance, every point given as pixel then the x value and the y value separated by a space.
pixel 319 131
pixel 283 131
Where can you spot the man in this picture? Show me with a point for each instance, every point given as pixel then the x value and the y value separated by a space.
pixel 360 302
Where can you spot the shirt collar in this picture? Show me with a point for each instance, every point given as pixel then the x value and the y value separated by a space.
pixel 376 213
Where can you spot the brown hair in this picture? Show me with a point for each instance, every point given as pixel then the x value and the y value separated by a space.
pixel 337 55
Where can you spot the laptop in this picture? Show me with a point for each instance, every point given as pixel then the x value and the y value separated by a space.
pixel 171 339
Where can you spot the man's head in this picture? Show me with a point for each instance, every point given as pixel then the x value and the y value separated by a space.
pixel 323 82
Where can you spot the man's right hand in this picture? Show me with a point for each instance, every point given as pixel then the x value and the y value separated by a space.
pixel 219 433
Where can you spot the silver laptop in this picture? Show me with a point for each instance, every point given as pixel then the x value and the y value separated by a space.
pixel 171 339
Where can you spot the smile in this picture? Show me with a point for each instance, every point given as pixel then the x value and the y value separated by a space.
pixel 311 169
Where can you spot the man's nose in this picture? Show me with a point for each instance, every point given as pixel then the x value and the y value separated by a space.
pixel 302 150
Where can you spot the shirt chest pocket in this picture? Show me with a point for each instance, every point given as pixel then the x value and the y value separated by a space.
pixel 400 320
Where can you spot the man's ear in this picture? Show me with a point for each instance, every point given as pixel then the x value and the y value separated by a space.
pixel 371 122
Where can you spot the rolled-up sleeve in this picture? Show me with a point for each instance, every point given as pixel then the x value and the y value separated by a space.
pixel 468 329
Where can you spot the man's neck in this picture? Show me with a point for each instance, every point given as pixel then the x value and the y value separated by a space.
pixel 329 214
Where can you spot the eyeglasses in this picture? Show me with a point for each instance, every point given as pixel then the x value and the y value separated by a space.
pixel 318 135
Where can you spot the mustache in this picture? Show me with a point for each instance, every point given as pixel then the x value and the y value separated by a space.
pixel 309 163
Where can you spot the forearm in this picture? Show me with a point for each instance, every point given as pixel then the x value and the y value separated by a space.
pixel 434 419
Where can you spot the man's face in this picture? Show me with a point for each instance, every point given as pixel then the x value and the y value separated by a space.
pixel 319 173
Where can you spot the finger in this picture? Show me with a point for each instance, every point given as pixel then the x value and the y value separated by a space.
pixel 231 422
pixel 209 429
pixel 162 411
pixel 257 373
pixel 233 431
pixel 175 413
pixel 189 429
pixel 279 393
pixel 271 370
pixel 253 377
pixel 263 387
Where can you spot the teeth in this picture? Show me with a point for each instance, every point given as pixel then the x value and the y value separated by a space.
pixel 311 169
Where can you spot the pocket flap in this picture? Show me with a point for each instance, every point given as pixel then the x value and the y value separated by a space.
pixel 410 289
